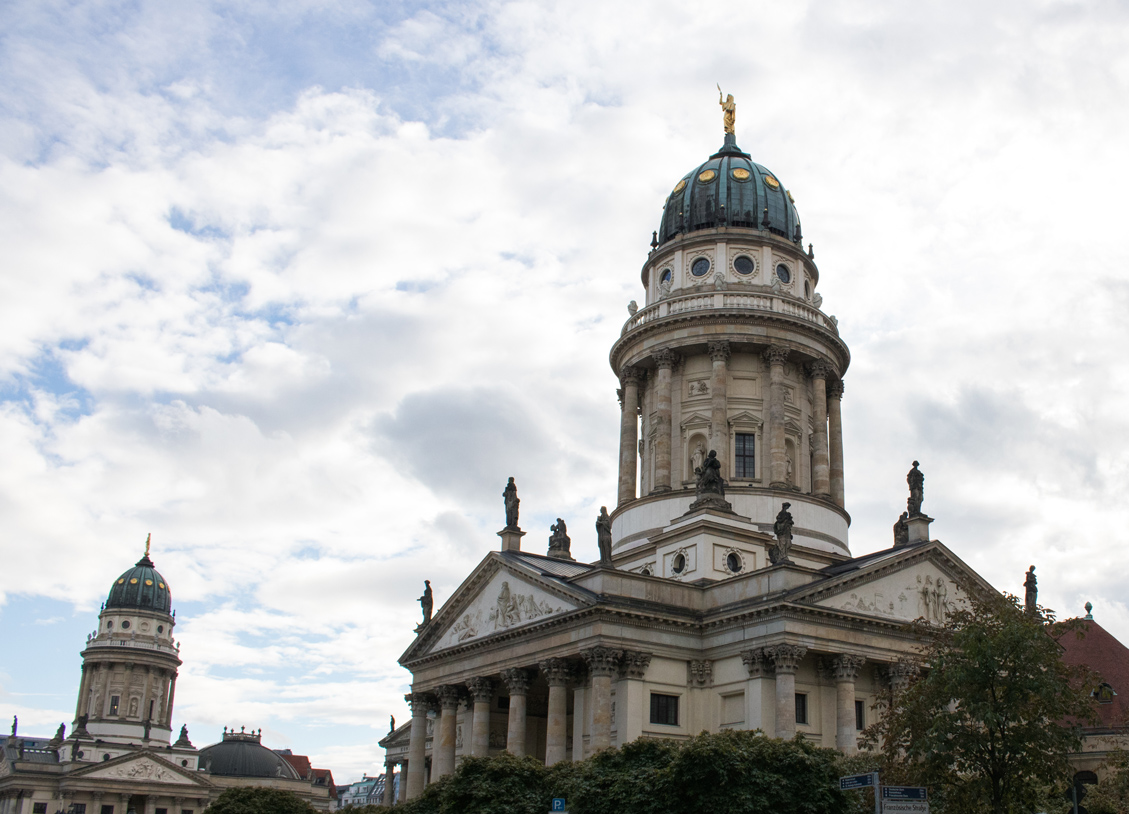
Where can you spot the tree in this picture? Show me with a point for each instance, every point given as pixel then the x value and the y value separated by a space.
pixel 259 800
pixel 991 720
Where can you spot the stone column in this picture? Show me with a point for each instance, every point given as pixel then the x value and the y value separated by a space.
pixel 821 476
pixel 482 691
pixel 719 409
pixel 172 693
pixel 629 696
pixel 846 669
pixel 835 439
pixel 664 360
pixel 778 466
pixel 389 783
pixel 557 672
pixel 417 745
pixel 517 681
pixel 579 717
pixel 602 665
pixel 628 434
pixel 786 660
pixel 403 795
pixel 758 714
pixel 443 744
pixel 83 692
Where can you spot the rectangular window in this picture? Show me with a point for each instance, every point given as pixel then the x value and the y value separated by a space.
pixel 77 808
pixel 664 709
pixel 161 811
pixel 39 808
pixel 114 701
pixel 801 708
pixel 107 810
pixel 860 715
pixel 744 458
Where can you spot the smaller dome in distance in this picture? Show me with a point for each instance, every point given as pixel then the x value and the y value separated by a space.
pixel 242 754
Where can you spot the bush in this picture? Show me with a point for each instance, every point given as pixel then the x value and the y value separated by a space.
pixel 259 800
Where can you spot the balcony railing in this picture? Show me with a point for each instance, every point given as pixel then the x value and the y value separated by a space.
pixel 159 646
pixel 732 301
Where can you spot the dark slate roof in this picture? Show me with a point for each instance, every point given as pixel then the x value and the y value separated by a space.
pixel 34 750
pixel 240 754
pixel 729 189
pixel 549 566
pixel 141 587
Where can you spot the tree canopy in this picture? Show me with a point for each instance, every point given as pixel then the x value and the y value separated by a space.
pixel 990 721
pixel 259 800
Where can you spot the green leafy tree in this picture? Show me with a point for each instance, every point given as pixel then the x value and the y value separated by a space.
pixel 259 800
pixel 1111 794
pixel 989 723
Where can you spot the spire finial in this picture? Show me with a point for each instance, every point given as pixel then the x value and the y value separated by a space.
pixel 728 111
pixel 148 539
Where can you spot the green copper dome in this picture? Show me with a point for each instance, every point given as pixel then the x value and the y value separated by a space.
pixel 141 587
pixel 730 190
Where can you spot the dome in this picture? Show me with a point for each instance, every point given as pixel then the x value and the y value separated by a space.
pixel 730 190
pixel 241 754
pixel 141 587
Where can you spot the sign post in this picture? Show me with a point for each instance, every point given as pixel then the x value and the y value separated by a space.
pixel 904 800
pixel 863 781
pixel 558 805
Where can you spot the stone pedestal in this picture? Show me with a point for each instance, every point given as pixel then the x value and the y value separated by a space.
pixel 511 538
pixel 919 528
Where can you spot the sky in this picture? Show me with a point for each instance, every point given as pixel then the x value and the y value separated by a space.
pixel 296 285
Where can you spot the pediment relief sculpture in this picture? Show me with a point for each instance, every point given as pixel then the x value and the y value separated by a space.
pixel 513 605
pixel 144 769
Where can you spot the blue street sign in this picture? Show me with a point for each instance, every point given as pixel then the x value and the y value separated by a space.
pixel 857 781
pixel 558 804
pixel 903 793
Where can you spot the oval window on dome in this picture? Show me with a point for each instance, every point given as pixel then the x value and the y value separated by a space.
pixel 741 174
pixel 679 564
pixel 110 624
pixel 160 628
pixel 125 625
pixel 700 267
pixel 666 276
pixel 707 176
pixel 161 585
pixel 772 182
pixel 784 273
pixel 133 581
pixel 743 264
pixel 149 582
pixel 681 185
pixel 121 581
pixel 733 562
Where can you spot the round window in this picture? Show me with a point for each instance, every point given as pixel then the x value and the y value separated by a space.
pixel 784 273
pixel 701 267
pixel 679 564
pixel 741 174
pixel 707 176
pixel 105 757
pixel 666 276
pixel 184 763
pixel 744 265
pixel 733 562
pixel 82 754
pixel 160 628
pixel 645 571
pixel 125 625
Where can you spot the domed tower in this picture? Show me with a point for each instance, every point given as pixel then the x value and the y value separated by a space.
pixel 129 666
pixel 732 354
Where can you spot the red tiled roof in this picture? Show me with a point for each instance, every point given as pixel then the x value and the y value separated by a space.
pixel 301 764
pixel 1107 657
pixel 325 777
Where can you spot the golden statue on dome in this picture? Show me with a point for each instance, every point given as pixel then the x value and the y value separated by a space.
pixel 728 111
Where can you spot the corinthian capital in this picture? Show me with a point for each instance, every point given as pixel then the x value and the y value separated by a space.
pixel 819 369
pixel 557 672
pixel 449 696
pixel 602 661
pixel 755 662
pixel 481 689
pixel 630 375
pixel 786 658
pixel 719 351
pixel 846 667
pixel 835 389
pixel 517 680
pixel 633 664
pixel 775 355
pixel 664 358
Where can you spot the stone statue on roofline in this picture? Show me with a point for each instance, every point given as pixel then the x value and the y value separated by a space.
pixel 509 495
pixel 710 487
pixel 604 536
pixel 782 528
pixel 916 481
pixel 560 544
pixel 427 603
pixel 901 531
pixel 1031 591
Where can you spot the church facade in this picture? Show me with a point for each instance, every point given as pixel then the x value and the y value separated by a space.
pixel 120 757
pixel 726 595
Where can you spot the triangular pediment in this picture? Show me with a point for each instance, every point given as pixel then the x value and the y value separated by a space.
pixel 502 595
pixel 921 582
pixel 695 420
pixel 143 767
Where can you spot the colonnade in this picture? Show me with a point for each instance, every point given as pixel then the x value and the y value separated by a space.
pixel 591 674
pixel 827 439
pixel 147 683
